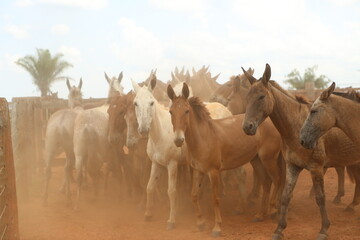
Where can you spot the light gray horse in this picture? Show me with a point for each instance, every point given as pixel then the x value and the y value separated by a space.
pixel 91 145
pixel 59 134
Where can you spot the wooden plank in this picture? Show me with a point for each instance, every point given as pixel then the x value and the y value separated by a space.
pixel 9 228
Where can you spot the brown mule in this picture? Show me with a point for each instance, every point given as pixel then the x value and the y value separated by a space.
pixel 267 98
pixel 216 145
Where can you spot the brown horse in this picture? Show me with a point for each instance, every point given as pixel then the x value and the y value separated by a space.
pixel 216 145
pixel 237 105
pixel 267 98
pixel 332 109
pixel 224 92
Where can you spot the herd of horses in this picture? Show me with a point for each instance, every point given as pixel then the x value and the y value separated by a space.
pixel 193 126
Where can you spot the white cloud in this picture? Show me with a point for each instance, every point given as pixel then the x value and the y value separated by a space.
pixel 141 47
pixel 86 4
pixel 342 3
pixel 24 3
pixel 60 29
pixel 16 31
pixel 196 8
pixel 71 54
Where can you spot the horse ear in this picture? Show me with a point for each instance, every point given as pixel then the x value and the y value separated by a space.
pixel 135 86
pixel 185 91
pixel 68 84
pixel 187 77
pixel 266 75
pixel 80 84
pixel 326 94
pixel 249 77
pixel 193 71
pixel 172 76
pixel 107 78
pixel 216 77
pixel 182 71
pixel 236 83
pixel 152 82
pixel 170 92
pixel 120 77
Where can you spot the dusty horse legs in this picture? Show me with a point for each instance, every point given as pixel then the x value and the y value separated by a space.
pixel 197 179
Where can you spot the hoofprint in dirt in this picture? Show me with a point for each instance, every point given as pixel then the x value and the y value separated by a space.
pixel 110 218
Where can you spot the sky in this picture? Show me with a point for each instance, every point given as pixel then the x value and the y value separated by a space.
pixel 111 36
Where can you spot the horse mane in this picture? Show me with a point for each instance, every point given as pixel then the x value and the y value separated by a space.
pixel 201 112
pixel 351 94
pixel 299 98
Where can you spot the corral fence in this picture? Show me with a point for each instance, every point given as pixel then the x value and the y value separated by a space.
pixel 29 117
pixel 9 228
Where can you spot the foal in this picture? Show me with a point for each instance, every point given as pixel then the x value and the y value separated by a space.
pixel 267 98
pixel 216 145
pixel 59 134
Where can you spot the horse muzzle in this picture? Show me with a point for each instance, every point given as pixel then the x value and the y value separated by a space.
pixel 143 131
pixel 307 143
pixel 179 141
pixel 250 127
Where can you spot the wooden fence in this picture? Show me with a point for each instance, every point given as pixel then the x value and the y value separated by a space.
pixel 8 200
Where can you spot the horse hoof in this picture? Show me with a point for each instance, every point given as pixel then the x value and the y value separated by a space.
pixel 147 218
pixel 349 209
pixel 216 234
pixel 337 200
pixel 322 236
pixel 201 227
pixel 277 236
pixel 237 212
pixel 257 219
pixel 170 226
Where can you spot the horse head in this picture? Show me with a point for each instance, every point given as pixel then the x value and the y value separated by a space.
pixel 144 103
pixel 115 88
pixel 75 95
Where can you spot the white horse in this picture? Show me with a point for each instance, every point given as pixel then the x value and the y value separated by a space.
pixel 154 120
pixel 91 145
pixel 59 134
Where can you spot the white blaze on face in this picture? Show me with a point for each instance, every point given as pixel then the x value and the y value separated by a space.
pixel 144 108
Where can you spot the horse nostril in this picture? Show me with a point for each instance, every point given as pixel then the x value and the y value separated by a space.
pixel 251 126
pixel 302 142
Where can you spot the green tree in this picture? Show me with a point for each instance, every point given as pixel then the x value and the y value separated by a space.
pixel 44 68
pixel 296 81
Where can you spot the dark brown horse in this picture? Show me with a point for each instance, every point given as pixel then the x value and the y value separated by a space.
pixel 237 105
pixel 216 145
pixel 267 99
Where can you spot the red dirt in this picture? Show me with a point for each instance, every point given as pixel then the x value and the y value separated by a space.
pixel 109 218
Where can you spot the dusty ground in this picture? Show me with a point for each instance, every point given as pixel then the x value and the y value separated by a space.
pixel 108 218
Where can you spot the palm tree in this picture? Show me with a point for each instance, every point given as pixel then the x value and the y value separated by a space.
pixel 44 68
pixel 296 81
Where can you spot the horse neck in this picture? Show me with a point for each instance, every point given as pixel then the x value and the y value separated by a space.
pixel 196 132
pixel 288 115
pixel 160 123
pixel 346 111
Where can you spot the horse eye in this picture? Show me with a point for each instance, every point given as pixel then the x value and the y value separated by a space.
pixel 261 97
pixel 313 111
pixel 187 111
pixel 152 103
pixel 135 104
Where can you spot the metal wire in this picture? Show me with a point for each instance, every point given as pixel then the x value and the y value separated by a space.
pixel 2 190
pixel 3 211
pixel 4 231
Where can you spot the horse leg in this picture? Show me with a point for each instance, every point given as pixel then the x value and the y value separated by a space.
pixel 241 180
pixel 80 159
pixel 70 158
pixel 197 180
pixel 154 176
pixel 263 210
pixel 214 176
pixel 258 173
pixel 317 176
pixel 49 156
pixel 353 172
pixel 172 175
pixel 341 184
pixel 292 174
